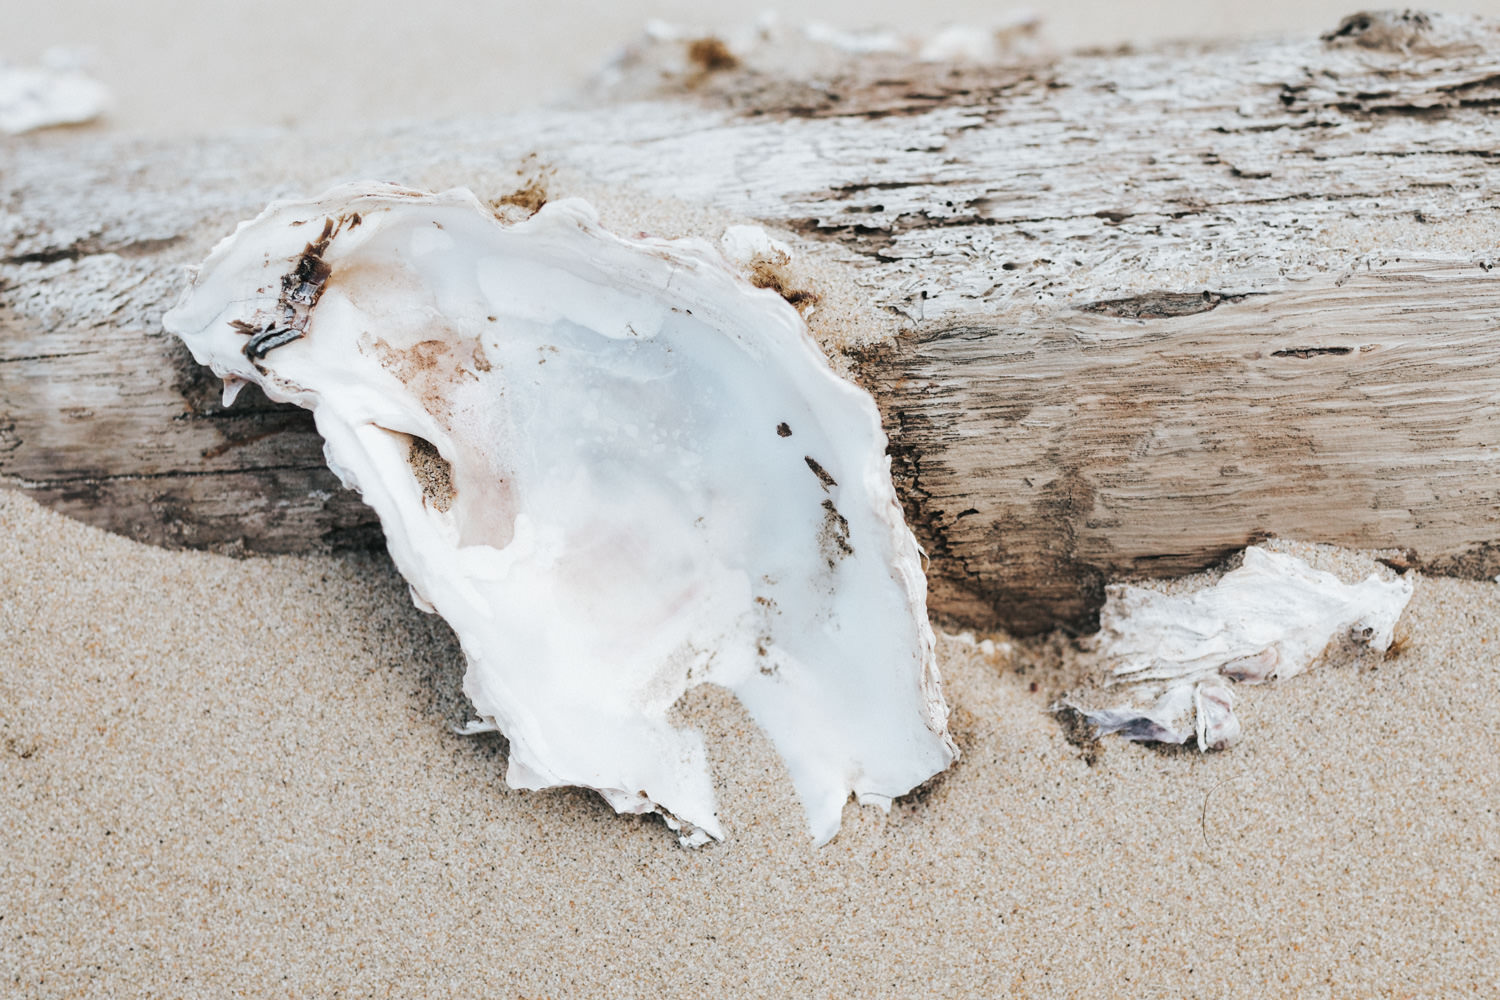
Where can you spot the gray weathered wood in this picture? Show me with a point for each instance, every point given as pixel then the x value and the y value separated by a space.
pixel 1123 312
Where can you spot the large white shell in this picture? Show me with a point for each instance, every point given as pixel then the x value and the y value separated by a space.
pixel 616 469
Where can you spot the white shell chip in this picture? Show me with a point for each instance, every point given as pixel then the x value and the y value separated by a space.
pixel 617 470
pixel 58 92
pixel 1173 657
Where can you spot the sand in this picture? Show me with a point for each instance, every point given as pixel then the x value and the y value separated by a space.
pixel 185 67
pixel 240 778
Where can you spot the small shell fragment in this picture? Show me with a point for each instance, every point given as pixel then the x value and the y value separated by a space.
pixel 1170 658
pixel 616 469
pixel 55 93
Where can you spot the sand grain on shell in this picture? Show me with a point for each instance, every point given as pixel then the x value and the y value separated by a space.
pixel 239 778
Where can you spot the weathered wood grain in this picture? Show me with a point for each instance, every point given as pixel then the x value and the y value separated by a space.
pixel 1123 312
pixel 1355 410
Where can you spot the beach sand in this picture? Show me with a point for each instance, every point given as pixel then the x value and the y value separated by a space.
pixel 240 778
pixel 185 67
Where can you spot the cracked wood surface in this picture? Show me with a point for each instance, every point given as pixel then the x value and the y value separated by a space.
pixel 1123 313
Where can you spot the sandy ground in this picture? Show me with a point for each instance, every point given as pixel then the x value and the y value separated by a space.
pixel 186 66
pixel 239 778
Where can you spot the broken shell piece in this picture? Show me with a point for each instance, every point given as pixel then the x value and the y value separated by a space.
pixel 56 93
pixel 1168 655
pixel 616 469
pixel 1181 713
pixel 1169 719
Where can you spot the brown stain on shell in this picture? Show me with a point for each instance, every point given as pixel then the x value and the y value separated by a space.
pixel 430 369
pixel 833 536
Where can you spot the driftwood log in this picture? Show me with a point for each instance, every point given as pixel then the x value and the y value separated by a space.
pixel 1125 312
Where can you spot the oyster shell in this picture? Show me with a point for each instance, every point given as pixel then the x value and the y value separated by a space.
pixel 617 471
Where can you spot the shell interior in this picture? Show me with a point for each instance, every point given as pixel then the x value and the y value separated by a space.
pixel 616 469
